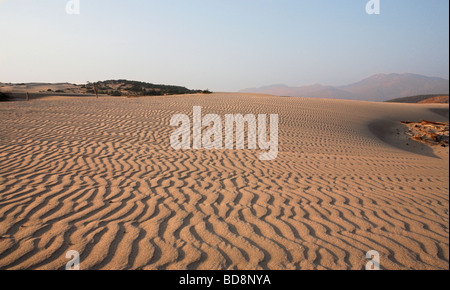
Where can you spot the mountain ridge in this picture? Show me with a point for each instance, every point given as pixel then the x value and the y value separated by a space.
pixel 378 87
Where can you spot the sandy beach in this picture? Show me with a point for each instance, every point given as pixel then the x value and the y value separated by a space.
pixel 99 176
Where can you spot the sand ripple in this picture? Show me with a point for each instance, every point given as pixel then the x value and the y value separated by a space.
pixel 99 177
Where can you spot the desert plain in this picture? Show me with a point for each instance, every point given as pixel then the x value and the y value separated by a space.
pixel 99 176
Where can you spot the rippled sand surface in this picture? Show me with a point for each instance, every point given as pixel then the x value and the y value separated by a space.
pixel 99 176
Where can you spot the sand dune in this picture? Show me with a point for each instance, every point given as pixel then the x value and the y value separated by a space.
pixel 99 176
pixel 36 87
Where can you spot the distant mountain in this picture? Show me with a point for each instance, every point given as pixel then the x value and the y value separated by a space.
pixel 384 87
pixel 380 87
pixel 423 99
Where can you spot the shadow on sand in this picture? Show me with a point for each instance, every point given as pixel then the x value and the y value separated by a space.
pixel 441 112
pixel 393 133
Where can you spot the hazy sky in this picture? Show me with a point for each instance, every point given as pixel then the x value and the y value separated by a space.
pixel 223 45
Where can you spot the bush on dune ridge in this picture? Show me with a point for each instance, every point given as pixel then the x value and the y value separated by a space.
pixel 126 87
